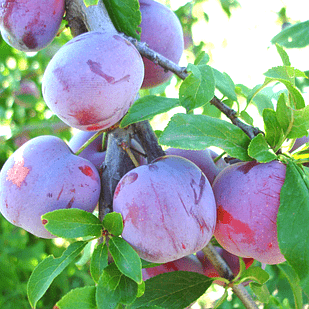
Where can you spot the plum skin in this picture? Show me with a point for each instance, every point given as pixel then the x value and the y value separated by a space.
pixel 44 175
pixel 186 263
pixel 162 31
pixel 30 25
pixel 248 198
pixel 168 209
pixel 93 90
pixel 202 158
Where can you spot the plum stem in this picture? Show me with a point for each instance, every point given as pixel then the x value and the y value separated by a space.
pixel 126 148
pixel 224 270
pixel 88 142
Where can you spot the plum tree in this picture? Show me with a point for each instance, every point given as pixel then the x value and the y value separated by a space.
pixel 202 158
pixel 94 153
pixel 92 91
pixel 162 31
pixel 168 209
pixel 30 25
pixel 248 197
pixel 186 263
pixel 231 259
pixel 44 175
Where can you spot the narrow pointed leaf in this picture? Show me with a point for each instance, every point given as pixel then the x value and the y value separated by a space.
pixel 126 259
pixel 260 150
pixel 272 128
pixel 292 222
pixel 99 261
pixel 296 36
pixel 72 223
pixel 294 282
pixel 198 132
pixel 261 291
pixel 147 107
pixel 284 56
pixel 225 85
pixel 198 88
pixel 81 298
pixel 44 274
pixel 125 15
pixel 173 290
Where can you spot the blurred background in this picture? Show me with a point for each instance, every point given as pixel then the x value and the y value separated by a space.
pixel 235 34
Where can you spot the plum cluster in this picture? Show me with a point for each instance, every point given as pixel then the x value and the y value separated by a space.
pixel 172 206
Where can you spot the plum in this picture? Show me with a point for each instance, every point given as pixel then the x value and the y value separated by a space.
pixel 168 209
pixel 231 259
pixel 202 158
pixel 94 152
pixel 162 31
pixel 248 197
pixel 92 80
pixel 44 175
pixel 30 25
pixel 299 142
pixel 186 263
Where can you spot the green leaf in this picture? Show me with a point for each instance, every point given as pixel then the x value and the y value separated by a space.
pixel 284 56
pixel 284 73
pixel 126 258
pixel 87 253
pixel 198 88
pixel 125 15
pixel 108 294
pixel 260 291
pixel 225 85
pixel 246 117
pixel 295 123
pixel 99 261
pixel 292 221
pixel 113 223
pixel 72 223
pixel 198 132
pixel 173 290
pixel 272 128
pixel 146 108
pixel 202 58
pixel 90 2
pixel 81 298
pixel 260 150
pixel 114 288
pixel 296 36
pixel 294 282
pixel 44 274
pixel 146 264
pixel 255 273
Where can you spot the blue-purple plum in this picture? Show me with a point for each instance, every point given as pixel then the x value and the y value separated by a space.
pixel 92 80
pixel 248 198
pixel 299 142
pixel 44 175
pixel 168 209
pixel 162 31
pixel 30 25
pixel 94 153
pixel 187 263
pixel 202 158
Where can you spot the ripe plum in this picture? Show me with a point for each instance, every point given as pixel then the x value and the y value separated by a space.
pixel 168 209
pixel 93 90
pixel 162 31
pixel 44 175
pixel 30 25
pixel 187 263
pixel 202 158
pixel 248 197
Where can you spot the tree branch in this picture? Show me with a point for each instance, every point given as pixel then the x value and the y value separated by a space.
pixel 95 18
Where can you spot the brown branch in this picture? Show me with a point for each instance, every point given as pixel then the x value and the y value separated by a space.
pixel 182 73
pixel 116 159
